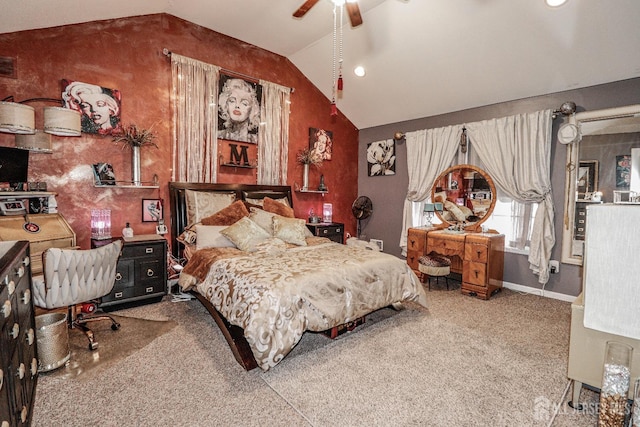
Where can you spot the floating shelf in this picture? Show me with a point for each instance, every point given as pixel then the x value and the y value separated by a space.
pixel 312 191
pixel 25 194
pixel 128 184
pixel 238 165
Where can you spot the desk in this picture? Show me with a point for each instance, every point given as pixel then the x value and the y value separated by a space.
pixel 478 257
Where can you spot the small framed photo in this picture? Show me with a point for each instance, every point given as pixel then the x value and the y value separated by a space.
pixel 378 243
pixel 587 178
pixel 151 210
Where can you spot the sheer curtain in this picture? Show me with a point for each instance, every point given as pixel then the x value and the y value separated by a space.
pixel 516 152
pixel 429 152
pixel 195 119
pixel 274 134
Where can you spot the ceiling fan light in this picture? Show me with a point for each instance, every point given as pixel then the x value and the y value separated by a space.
pixel 555 3
pixel 359 71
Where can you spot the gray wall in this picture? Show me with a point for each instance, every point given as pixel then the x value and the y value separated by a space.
pixel 388 192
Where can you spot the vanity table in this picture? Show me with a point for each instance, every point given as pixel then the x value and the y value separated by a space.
pixel 477 256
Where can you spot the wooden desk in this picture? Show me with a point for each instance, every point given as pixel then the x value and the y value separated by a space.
pixel 478 257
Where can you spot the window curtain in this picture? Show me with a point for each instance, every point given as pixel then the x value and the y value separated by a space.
pixel 195 119
pixel 516 152
pixel 429 152
pixel 274 134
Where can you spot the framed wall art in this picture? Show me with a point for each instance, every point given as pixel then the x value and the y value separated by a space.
pixel 587 178
pixel 99 106
pixel 238 109
pixel 151 210
pixel 381 158
pixel 321 143
pixel 623 171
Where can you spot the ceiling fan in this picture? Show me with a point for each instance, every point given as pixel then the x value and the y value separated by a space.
pixel 352 10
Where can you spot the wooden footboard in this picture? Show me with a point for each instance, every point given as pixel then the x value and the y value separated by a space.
pixel 233 334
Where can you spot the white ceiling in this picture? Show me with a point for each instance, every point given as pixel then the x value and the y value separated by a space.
pixel 423 57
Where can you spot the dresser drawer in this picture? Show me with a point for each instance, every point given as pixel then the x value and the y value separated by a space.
pixel 475 252
pixel 475 273
pixel 412 258
pixel 416 241
pixel 453 245
pixel 145 250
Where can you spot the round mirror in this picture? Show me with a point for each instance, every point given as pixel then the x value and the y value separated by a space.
pixel 467 194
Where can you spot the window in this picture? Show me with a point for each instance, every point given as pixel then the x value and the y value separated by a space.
pixel 515 221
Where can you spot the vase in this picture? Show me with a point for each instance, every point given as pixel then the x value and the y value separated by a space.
pixel 615 385
pixel 135 165
pixel 305 177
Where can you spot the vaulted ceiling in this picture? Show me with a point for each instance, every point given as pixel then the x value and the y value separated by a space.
pixel 422 57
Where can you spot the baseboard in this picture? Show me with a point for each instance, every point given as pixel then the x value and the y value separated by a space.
pixel 535 291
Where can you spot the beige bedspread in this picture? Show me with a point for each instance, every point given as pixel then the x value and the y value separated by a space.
pixel 275 296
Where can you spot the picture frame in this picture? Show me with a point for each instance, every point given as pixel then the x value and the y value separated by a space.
pixel 623 171
pixel 103 174
pixel 587 178
pixel 379 243
pixel 239 106
pixel 152 210
pixel 321 143
pixel 381 158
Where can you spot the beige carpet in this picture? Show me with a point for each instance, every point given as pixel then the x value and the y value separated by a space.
pixel 462 362
pixel 113 346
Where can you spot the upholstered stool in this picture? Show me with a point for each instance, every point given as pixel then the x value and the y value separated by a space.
pixel 435 266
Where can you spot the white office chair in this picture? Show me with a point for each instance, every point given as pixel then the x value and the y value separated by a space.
pixel 73 277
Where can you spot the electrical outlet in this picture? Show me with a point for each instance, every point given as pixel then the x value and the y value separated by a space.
pixel 554 267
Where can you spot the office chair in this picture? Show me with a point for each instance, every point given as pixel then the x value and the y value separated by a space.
pixel 72 277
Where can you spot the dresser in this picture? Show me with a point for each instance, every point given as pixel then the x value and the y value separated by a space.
pixel 477 257
pixel 141 274
pixel 331 230
pixel 18 354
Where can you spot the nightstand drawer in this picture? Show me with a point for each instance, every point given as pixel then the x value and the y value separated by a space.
pixel 333 231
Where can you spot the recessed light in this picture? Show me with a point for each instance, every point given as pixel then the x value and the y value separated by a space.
pixel 555 3
pixel 359 71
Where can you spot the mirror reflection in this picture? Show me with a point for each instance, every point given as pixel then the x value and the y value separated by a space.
pixel 467 194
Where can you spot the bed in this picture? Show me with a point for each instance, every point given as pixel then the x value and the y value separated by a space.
pixel 264 282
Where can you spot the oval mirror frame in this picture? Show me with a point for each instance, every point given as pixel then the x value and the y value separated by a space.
pixel 459 184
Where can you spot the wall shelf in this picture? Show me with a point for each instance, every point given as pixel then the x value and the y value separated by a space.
pixel 128 184
pixel 25 194
pixel 238 165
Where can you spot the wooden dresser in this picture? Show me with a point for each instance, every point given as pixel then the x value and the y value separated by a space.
pixel 477 257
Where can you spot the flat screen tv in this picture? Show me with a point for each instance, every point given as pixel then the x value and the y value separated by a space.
pixel 14 164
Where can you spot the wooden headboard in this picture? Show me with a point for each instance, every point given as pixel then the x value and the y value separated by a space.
pixel 242 192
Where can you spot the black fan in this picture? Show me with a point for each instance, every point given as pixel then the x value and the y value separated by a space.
pixel 361 209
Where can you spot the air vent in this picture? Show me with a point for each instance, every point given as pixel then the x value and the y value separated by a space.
pixel 8 67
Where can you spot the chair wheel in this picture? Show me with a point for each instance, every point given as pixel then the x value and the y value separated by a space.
pixel 115 326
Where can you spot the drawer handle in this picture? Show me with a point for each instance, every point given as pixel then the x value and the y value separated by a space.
pixel 34 366
pixel 338 230
pixel 11 287
pixel 20 271
pixel 150 272
pixel 6 309
pixel 479 253
pixel 1 379
pixel 118 295
pixel 325 231
pixel 118 276
pixel 477 273
pixel 26 297
pixel 15 331
pixel 23 414
pixel 148 250
pixel 30 336
pixel 26 261
pixel 21 371
pixel 149 289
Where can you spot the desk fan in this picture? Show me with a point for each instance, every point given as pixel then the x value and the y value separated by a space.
pixel 361 209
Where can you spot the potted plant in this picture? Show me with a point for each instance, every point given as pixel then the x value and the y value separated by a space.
pixel 134 137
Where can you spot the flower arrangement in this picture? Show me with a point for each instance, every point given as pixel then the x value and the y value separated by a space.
pixel 132 136
pixel 309 156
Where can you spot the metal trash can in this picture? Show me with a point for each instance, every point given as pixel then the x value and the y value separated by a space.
pixel 52 336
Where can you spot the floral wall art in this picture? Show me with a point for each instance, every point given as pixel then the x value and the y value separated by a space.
pixel 381 158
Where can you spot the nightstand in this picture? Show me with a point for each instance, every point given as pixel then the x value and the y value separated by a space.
pixel 141 274
pixel 331 230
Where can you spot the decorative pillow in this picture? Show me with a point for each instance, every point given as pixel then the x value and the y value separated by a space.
pixel 455 210
pixel 188 236
pixel 209 236
pixel 263 218
pixel 291 230
pixel 227 216
pixel 201 204
pixel 260 202
pixel 245 234
pixel 281 209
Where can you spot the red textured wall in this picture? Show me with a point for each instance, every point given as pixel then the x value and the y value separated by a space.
pixel 126 54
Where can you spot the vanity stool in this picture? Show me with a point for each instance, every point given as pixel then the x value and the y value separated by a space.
pixel 434 265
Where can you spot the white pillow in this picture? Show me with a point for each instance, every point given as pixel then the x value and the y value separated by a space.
pixel 291 230
pixel 201 204
pixel 209 236
pixel 265 220
pixel 245 234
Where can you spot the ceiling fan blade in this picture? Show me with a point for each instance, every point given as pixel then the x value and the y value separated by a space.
pixel 354 13
pixel 302 10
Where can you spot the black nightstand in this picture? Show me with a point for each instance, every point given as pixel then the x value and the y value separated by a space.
pixel 141 275
pixel 331 230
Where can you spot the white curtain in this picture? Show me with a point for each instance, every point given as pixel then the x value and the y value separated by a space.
pixel 274 134
pixel 195 119
pixel 516 152
pixel 429 152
